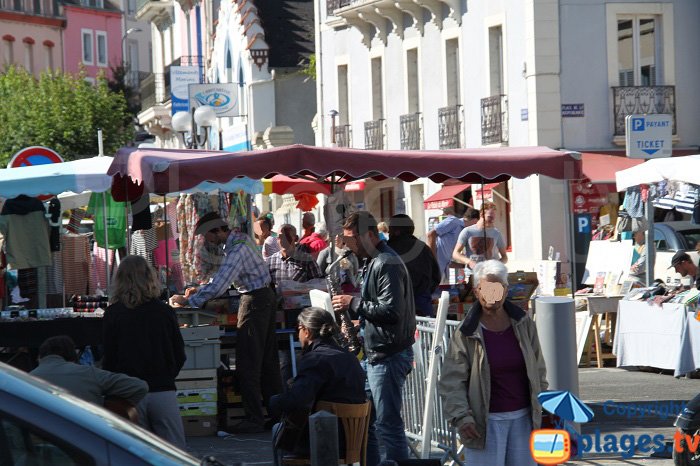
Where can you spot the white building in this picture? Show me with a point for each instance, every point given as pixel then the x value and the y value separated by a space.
pixel 440 74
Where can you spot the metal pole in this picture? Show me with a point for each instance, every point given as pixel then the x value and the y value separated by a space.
pixel 572 237
pixel 167 254
pixel 436 353
pixel 649 239
pixel 104 221
pixel 556 328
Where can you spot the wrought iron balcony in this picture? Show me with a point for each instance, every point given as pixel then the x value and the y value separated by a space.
pixel 449 127
pixel 342 135
pixel 374 134
pixel 332 5
pixel 494 120
pixel 155 89
pixel 410 126
pixel 633 100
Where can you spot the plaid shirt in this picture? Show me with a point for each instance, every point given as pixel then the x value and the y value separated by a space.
pixel 301 267
pixel 242 266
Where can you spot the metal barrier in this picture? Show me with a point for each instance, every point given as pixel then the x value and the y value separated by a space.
pixel 422 406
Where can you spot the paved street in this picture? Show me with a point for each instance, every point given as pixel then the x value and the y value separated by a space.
pixel 656 394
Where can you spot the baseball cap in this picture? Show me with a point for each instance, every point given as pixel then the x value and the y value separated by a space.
pixel 208 222
pixel 679 257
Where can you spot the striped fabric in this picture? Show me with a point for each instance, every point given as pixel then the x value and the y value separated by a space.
pixel 680 196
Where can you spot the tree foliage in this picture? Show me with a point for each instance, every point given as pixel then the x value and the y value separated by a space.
pixel 309 70
pixel 61 111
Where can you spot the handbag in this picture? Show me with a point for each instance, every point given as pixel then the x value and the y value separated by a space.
pixel 291 430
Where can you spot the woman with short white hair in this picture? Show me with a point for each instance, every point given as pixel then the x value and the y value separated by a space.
pixel 492 374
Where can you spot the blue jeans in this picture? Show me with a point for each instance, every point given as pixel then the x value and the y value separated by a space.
pixel 385 380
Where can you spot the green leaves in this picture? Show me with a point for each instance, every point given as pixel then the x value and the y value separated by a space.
pixel 60 111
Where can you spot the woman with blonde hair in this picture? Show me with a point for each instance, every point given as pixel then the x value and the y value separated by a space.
pixel 142 339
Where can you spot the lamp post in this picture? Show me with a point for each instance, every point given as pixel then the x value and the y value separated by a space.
pixel 197 123
pixel 124 54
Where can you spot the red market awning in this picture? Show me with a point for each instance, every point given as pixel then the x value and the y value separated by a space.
pixel 165 171
pixel 280 184
pixel 601 168
pixel 444 197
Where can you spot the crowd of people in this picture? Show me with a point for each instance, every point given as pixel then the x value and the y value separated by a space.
pixel 492 373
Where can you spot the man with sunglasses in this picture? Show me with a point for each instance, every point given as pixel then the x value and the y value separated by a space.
pixel 257 361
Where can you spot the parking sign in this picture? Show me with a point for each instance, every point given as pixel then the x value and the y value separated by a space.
pixel 649 136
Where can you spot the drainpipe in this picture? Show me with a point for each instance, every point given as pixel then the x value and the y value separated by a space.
pixel 320 112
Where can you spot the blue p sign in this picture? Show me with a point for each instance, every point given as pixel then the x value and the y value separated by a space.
pixel 637 124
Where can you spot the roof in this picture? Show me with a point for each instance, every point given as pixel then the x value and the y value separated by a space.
pixel 289 30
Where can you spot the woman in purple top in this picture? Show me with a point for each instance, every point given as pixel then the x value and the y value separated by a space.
pixel 492 374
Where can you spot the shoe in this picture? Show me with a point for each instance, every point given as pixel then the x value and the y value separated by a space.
pixel 246 427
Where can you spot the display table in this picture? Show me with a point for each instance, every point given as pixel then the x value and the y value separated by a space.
pixel 667 337
pixel 600 306
pixel 32 333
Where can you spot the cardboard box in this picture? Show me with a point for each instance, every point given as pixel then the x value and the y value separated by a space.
pixel 198 409
pixel 199 426
pixel 197 395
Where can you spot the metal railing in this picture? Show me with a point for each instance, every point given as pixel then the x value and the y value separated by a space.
pixel 332 5
pixel 632 100
pixel 374 134
pixel 34 8
pixel 410 131
pixel 415 396
pixel 342 135
pixel 449 127
pixel 154 89
pixel 494 120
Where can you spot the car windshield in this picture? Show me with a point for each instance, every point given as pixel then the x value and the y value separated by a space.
pixel 142 443
pixel 691 238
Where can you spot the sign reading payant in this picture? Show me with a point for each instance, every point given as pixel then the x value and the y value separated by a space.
pixel 649 136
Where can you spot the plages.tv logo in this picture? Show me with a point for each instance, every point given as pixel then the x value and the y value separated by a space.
pixel 553 446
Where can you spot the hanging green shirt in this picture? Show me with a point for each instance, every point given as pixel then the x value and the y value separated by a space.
pixel 115 220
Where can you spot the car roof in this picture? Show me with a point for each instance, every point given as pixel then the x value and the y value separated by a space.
pixel 681 225
pixel 90 416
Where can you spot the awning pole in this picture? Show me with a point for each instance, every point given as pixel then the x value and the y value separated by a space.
pixel 167 254
pixel 649 238
pixel 572 238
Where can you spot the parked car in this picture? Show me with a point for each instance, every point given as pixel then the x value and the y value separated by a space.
pixel 43 425
pixel 670 237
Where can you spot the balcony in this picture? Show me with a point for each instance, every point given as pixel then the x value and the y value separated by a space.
pixel 494 120
pixel 410 131
pixel 374 134
pixel 342 135
pixel 48 9
pixel 383 17
pixel 154 10
pixel 449 127
pixel 155 89
pixel 633 100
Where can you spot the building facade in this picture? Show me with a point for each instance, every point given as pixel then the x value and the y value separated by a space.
pixel 443 74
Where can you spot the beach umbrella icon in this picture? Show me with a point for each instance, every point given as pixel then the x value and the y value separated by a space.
pixel 565 405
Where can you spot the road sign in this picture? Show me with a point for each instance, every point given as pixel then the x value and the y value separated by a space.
pixel 648 136
pixel 35 155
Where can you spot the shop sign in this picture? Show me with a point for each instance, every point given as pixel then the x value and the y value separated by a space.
pixel 355 186
pixel 223 97
pixel 180 79
pixel 235 138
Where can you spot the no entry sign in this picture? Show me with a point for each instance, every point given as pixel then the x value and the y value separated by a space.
pixel 35 155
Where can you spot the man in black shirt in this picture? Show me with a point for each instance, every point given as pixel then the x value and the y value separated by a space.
pixel 685 266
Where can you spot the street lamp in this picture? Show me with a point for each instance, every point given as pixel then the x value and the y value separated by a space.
pixel 198 122
pixel 333 114
pixel 124 54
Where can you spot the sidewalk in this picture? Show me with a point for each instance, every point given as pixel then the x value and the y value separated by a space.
pixel 657 394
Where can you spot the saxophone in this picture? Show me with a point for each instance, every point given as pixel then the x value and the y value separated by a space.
pixel 348 332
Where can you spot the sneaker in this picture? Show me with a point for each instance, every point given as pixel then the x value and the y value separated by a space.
pixel 246 427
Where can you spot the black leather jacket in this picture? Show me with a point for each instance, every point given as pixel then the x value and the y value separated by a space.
pixel 386 305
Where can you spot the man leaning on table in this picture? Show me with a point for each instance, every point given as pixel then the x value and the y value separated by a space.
pixel 684 265
pixel 257 362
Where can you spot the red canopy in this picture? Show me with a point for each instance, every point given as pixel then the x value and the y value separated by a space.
pixel 165 170
pixel 444 197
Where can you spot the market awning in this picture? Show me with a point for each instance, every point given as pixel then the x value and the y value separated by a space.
pixel 601 168
pixel 280 184
pixel 51 179
pixel 164 171
pixel 444 197
pixel 685 169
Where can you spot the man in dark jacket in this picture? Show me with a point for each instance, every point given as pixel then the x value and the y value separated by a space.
pixel 388 317
pixel 420 262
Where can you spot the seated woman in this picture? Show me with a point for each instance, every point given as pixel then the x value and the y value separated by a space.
pixel 327 372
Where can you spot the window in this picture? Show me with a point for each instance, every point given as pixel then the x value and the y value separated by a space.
pixel 496 60
pixel 87 47
pixel 49 57
pixel 29 56
pixel 101 48
pixel 8 51
pixel 131 7
pixel 452 71
pixel 37 7
pixel 637 51
pixel 377 97
pixel 24 445
pixel 412 81
pixel 17 4
pixel 343 96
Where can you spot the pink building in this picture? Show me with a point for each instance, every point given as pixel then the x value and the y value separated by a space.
pixel 92 36
pixel 30 34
